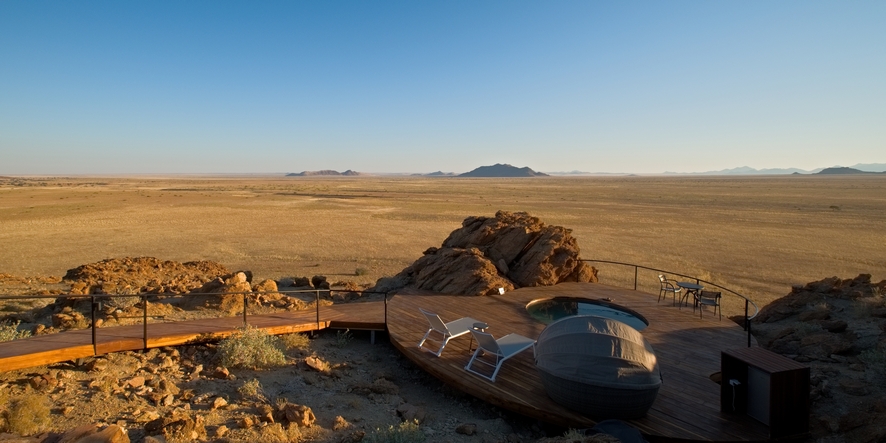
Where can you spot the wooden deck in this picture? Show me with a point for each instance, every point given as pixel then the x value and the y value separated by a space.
pixel 688 348
pixel 63 346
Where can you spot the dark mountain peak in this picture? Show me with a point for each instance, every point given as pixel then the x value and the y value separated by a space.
pixel 503 170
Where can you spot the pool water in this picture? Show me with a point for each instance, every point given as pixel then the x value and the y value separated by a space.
pixel 551 309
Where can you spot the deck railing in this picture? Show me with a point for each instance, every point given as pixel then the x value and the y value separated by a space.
pixel 97 300
pixel 748 316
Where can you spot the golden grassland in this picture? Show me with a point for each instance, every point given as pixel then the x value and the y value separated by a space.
pixel 757 235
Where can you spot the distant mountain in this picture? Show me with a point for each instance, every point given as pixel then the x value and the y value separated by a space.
pixel 839 170
pixel 503 170
pixel 870 167
pixel 325 172
pixel 440 174
pixel 747 170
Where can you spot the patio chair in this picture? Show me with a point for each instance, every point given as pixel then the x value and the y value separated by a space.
pixel 448 331
pixel 666 287
pixel 708 298
pixel 502 349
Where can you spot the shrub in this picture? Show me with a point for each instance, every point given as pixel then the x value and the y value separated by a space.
pixel 406 432
pixel 28 415
pixel 342 338
pixel 361 271
pixel 296 341
pixel 9 331
pixel 252 389
pixel 251 348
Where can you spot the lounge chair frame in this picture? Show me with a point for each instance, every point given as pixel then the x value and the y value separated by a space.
pixel 448 331
pixel 502 349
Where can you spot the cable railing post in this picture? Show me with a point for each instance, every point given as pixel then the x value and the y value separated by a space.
pixel 145 320
pixel 386 310
pixel 318 309
pixel 245 301
pixel 635 276
pixel 94 345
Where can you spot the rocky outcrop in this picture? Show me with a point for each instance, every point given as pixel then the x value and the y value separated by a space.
pixel 134 275
pixel 838 328
pixel 510 250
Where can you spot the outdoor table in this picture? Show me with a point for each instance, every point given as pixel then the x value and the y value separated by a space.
pixel 691 288
pixel 480 326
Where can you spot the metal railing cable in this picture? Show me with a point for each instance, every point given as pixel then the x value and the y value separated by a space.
pixel 747 301
pixel 98 300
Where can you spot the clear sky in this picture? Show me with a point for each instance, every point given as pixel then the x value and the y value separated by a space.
pixel 419 86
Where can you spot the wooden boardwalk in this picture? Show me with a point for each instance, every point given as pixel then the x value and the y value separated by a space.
pixel 63 346
pixel 688 348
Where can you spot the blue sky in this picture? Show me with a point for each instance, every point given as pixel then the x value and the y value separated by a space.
pixel 226 87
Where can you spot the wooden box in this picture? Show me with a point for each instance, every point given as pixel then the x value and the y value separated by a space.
pixel 767 386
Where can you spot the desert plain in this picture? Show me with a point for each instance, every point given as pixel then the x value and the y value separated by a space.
pixel 756 235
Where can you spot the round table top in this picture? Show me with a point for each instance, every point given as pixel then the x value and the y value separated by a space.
pixel 688 285
pixel 480 325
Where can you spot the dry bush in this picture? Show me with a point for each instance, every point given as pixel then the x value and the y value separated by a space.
pixel 296 341
pixel 252 390
pixel 27 415
pixel 406 432
pixel 9 331
pixel 251 348
pixel 343 338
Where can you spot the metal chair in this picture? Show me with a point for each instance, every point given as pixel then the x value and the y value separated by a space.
pixel 448 331
pixel 666 287
pixel 502 349
pixel 708 298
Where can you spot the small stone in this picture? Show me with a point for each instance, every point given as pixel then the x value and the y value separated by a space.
pixel 97 365
pixel 168 400
pixel 246 422
pixel 299 415
pixel 221 431
pixel 854 387
pixel 340 423
pixel 155 439
pixel 136 382
pixel 221 372
pixel 466 429
pixel 219 402
pixel 195 374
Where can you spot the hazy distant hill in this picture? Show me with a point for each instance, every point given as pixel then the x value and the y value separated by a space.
pixel 747 170
pixel 325 172
pixel 440 174
pixel 503 170
pixel 843 170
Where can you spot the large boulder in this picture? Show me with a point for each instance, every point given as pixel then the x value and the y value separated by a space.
pixel 510 250
pixel 833 326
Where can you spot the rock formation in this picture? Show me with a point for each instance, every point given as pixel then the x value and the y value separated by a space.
pixel 510 250
pixel 838 328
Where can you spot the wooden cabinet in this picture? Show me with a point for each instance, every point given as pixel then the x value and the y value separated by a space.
pixel 768 387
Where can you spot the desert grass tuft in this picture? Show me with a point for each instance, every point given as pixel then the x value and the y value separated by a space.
pixel 296 341
pixel 9 331
pixel 252 390
pixel 343 338
pixel 406 432
pixel 27 415
pixel 251 348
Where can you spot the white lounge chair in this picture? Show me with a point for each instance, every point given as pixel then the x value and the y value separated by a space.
pixel 503 349
pixel 449 330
